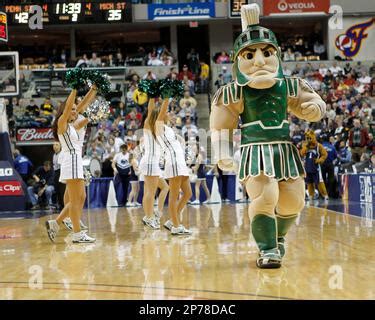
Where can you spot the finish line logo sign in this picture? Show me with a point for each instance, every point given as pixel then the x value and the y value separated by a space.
pixel 181 11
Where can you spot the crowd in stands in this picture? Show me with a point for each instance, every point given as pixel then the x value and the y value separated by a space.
pixel 155 56
pixel 301 48
pixel 112 56
pixel 348 127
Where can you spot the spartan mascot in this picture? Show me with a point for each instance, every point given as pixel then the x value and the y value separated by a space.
pixel 270 165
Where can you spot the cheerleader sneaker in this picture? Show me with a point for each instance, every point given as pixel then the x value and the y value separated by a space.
pixel 158 215
pixel 168 225
pixel 150 222
pixel 69 225
pixel 83 226
pixel 180 231
pixel 82 237
pixel 195 202
pixel 52 229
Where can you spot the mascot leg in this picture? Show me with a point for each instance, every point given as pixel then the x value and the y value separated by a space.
pixel 311 189
pixel 291 202
pixel 322 190
pixel 264 194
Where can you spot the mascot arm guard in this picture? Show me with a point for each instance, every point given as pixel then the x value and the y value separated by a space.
pixel 225 110
pixel 307 104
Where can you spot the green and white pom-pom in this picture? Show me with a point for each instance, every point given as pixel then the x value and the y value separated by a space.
pixel 171 88
pixel 75 78
pixel 78 78
pixel 100 80
pixel 151 87
pixel 98 110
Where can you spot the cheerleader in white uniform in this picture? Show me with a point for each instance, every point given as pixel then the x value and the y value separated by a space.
pixel 176 171
pixel 64 215
pixel 149 166
pixel 69 129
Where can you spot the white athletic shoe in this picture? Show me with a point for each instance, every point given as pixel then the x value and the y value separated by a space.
pixel 69 225
pixel 208 201
pixel 157 215
pixel 83 226
pixel 195 202
pixel 137 204
pixel 52 229
pixel 180 231
pixel 168 225
pixel 82 237
pixel 151 222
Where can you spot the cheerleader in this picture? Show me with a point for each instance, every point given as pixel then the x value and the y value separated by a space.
pixel 149 166
pixel 176 171
pixel 200 171
pixel 68 128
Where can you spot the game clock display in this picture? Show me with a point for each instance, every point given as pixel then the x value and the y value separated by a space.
pixel 71 12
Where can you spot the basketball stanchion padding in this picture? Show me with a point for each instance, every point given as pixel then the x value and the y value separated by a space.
pixel 112 200
pixel 215 193
pixel 112 216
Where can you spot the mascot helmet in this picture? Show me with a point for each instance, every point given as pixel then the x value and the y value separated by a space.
pixel 252 33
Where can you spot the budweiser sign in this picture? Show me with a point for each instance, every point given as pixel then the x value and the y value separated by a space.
pixel 10 188
pixel 34 134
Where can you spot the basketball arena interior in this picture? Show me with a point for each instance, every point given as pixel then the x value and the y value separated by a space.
pixel 324 50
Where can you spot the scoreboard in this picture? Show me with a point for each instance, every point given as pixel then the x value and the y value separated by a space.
pixel 71 12
pixel 234 7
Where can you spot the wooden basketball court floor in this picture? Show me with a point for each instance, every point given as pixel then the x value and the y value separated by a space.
pixel 330 255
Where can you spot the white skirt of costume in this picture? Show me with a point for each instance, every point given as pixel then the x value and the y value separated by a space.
pixel 149 166
pixel 71 167
pixel 176 168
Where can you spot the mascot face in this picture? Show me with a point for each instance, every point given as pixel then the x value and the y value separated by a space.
pixel 311 138
pixel 260 64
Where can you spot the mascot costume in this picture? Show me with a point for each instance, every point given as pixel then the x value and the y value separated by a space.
pixel 270 167
pixel 315 154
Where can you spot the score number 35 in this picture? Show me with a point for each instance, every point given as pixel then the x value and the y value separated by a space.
pixel 114 15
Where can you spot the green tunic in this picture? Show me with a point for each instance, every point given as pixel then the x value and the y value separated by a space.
pixel 265 140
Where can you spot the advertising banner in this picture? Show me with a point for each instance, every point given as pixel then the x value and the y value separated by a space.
pixel 295 6
pixel 355 41
pixel 30 135
pixel 181 11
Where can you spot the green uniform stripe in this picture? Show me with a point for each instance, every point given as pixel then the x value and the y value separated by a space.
pixel 267 161
pixel 295 87
pixel 285 157
pixel 244 156
pixel 292 163
pixel 298 161
pixel 226 95
pixel 277 160
pixel 255 161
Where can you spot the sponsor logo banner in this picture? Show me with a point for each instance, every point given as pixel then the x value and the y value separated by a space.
pixel 34 134
pixel 349 43
pixel 295 6
pixel 10 188
pixel 181 11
